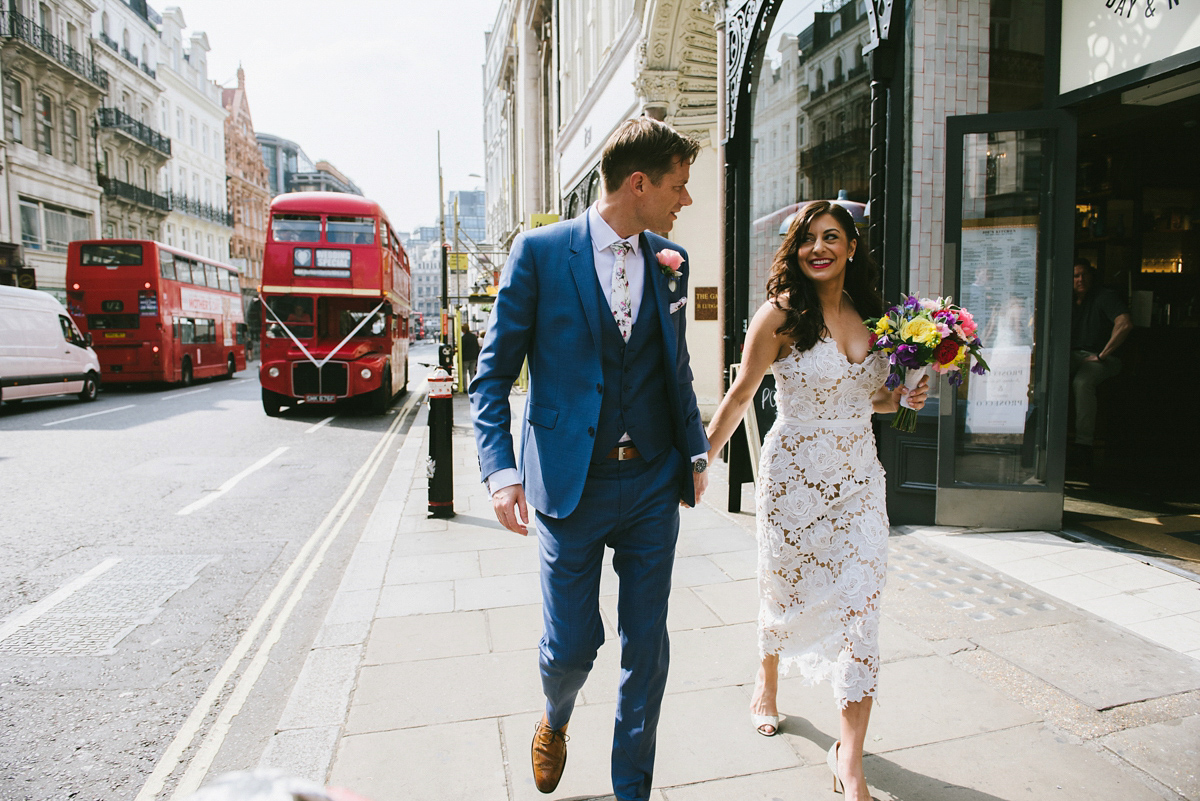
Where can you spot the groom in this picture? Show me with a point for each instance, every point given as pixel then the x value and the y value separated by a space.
pixel 612 441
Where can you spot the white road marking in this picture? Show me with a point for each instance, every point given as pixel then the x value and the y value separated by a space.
pixel 175 395
pixel 22 619
pixel 328 529
pixel 93 414
pixel 231 483
pixel 318 425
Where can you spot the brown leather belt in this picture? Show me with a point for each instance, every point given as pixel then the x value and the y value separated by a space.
pixel 623 452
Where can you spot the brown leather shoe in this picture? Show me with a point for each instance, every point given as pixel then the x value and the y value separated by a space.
pixel 549 755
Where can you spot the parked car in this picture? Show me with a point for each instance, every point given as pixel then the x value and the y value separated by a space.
pixel 42 352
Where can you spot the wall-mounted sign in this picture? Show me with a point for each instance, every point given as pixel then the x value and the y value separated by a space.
pixel 706 302
pixel 1102 39
pixel 456 262
pixel 538 220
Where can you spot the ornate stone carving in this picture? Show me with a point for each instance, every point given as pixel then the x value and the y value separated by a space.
pixel 677 63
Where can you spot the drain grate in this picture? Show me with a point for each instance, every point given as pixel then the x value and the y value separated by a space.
pixel 97 613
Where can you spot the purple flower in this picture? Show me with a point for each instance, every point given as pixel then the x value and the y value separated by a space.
pixel 893 381
pixel 912 302
pixel 955 377
pixel 978 369
pixel 908 356
pixel 883 343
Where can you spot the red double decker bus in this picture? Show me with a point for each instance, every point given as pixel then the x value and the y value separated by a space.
pixel 335 303
pixel 156 313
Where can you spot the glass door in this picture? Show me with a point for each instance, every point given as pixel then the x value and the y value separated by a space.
pixel 1009 214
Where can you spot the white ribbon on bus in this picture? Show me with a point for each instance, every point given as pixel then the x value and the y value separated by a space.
pixel 300 344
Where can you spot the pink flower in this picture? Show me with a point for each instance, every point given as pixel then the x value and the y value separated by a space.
pixel 671 261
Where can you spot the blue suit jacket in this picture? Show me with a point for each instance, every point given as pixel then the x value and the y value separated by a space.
pixel 548 310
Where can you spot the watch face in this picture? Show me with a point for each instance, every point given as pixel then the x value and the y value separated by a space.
pixel 699 466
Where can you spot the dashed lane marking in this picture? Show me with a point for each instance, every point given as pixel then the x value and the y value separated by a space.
pixel 22 619
pixel 93 414
pixel 326 421
pixel 175 395
pixel 231 483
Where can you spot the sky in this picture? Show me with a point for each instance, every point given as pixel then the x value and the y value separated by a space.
pixel 362 84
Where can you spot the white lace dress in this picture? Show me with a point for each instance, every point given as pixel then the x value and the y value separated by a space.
pixel 822 522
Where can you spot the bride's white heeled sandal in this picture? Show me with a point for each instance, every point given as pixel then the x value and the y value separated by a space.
pixel 761 722
pixel 831 761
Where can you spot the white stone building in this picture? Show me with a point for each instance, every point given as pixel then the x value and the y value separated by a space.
pixel 520 93
pixel 132 148
pixel 618 59
pixel 51 91
pixel 190 109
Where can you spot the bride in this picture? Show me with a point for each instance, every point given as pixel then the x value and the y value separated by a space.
pixel 822 518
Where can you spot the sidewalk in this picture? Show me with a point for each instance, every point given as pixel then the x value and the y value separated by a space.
pixel 423 682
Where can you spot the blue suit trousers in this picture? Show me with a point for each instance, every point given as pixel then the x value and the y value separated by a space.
pixel 632 507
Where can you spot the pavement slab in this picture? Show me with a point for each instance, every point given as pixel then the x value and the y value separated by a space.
pixel 1168 751
pixel 432 763
pixel 1027 762
pixel 1100 665
pixel 432 567
pixel 733 601
pixel 409 639
pixel 920 701
pixel 407 694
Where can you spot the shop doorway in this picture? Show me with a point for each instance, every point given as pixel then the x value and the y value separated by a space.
pixel 1137 222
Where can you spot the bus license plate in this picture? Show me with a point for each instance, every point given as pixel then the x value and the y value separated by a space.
pixel 320 398
pixel 114 334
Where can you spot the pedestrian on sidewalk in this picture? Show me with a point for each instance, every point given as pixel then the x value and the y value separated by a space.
pixel 820 507
pixel 612 443
pixel 470 351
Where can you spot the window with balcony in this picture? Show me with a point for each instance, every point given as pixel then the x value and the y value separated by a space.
pixel 45 124
pixel 15 107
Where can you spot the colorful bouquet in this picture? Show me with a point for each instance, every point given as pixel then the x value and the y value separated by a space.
pixel 921 333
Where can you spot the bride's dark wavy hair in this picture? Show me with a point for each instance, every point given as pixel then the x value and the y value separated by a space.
pixel 805 323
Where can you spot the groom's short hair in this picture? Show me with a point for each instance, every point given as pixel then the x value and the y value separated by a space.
pixel 644 145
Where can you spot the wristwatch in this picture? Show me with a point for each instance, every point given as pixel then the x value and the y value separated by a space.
pixel 699 466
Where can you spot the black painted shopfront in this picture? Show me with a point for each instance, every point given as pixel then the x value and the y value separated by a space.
pixel 997 143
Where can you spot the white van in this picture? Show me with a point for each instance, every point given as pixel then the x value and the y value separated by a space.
pixel 41 351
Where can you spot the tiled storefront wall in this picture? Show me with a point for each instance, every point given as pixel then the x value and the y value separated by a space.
pixel 949 74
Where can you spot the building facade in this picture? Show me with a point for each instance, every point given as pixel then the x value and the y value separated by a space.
pixel 52 90
pixel 132 148
pixel 191 109
pixel 425 259
pixel 289 169
pixel 249 193
pixel 520 118
pixel 624 58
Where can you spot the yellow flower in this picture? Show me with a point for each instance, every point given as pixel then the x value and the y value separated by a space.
pixel 883 326
pixel 920 330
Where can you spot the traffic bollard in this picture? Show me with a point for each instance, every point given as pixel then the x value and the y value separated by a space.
pixel 441 444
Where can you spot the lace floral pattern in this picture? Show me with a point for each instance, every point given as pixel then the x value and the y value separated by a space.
pixel 822 522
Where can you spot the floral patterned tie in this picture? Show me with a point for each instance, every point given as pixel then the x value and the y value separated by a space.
pixel 622 305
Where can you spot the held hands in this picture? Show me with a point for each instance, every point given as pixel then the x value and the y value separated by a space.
pixel 509 505
pixel 700 482
pixel 916 398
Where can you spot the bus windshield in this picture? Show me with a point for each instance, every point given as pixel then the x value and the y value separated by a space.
pixel 351 230
pixel 296 228
pixel 110 255
pixel 295 312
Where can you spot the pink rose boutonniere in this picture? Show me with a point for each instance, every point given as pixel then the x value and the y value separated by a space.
pixel 669 262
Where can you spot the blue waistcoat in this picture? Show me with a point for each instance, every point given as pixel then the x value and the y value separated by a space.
pixel 635 391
